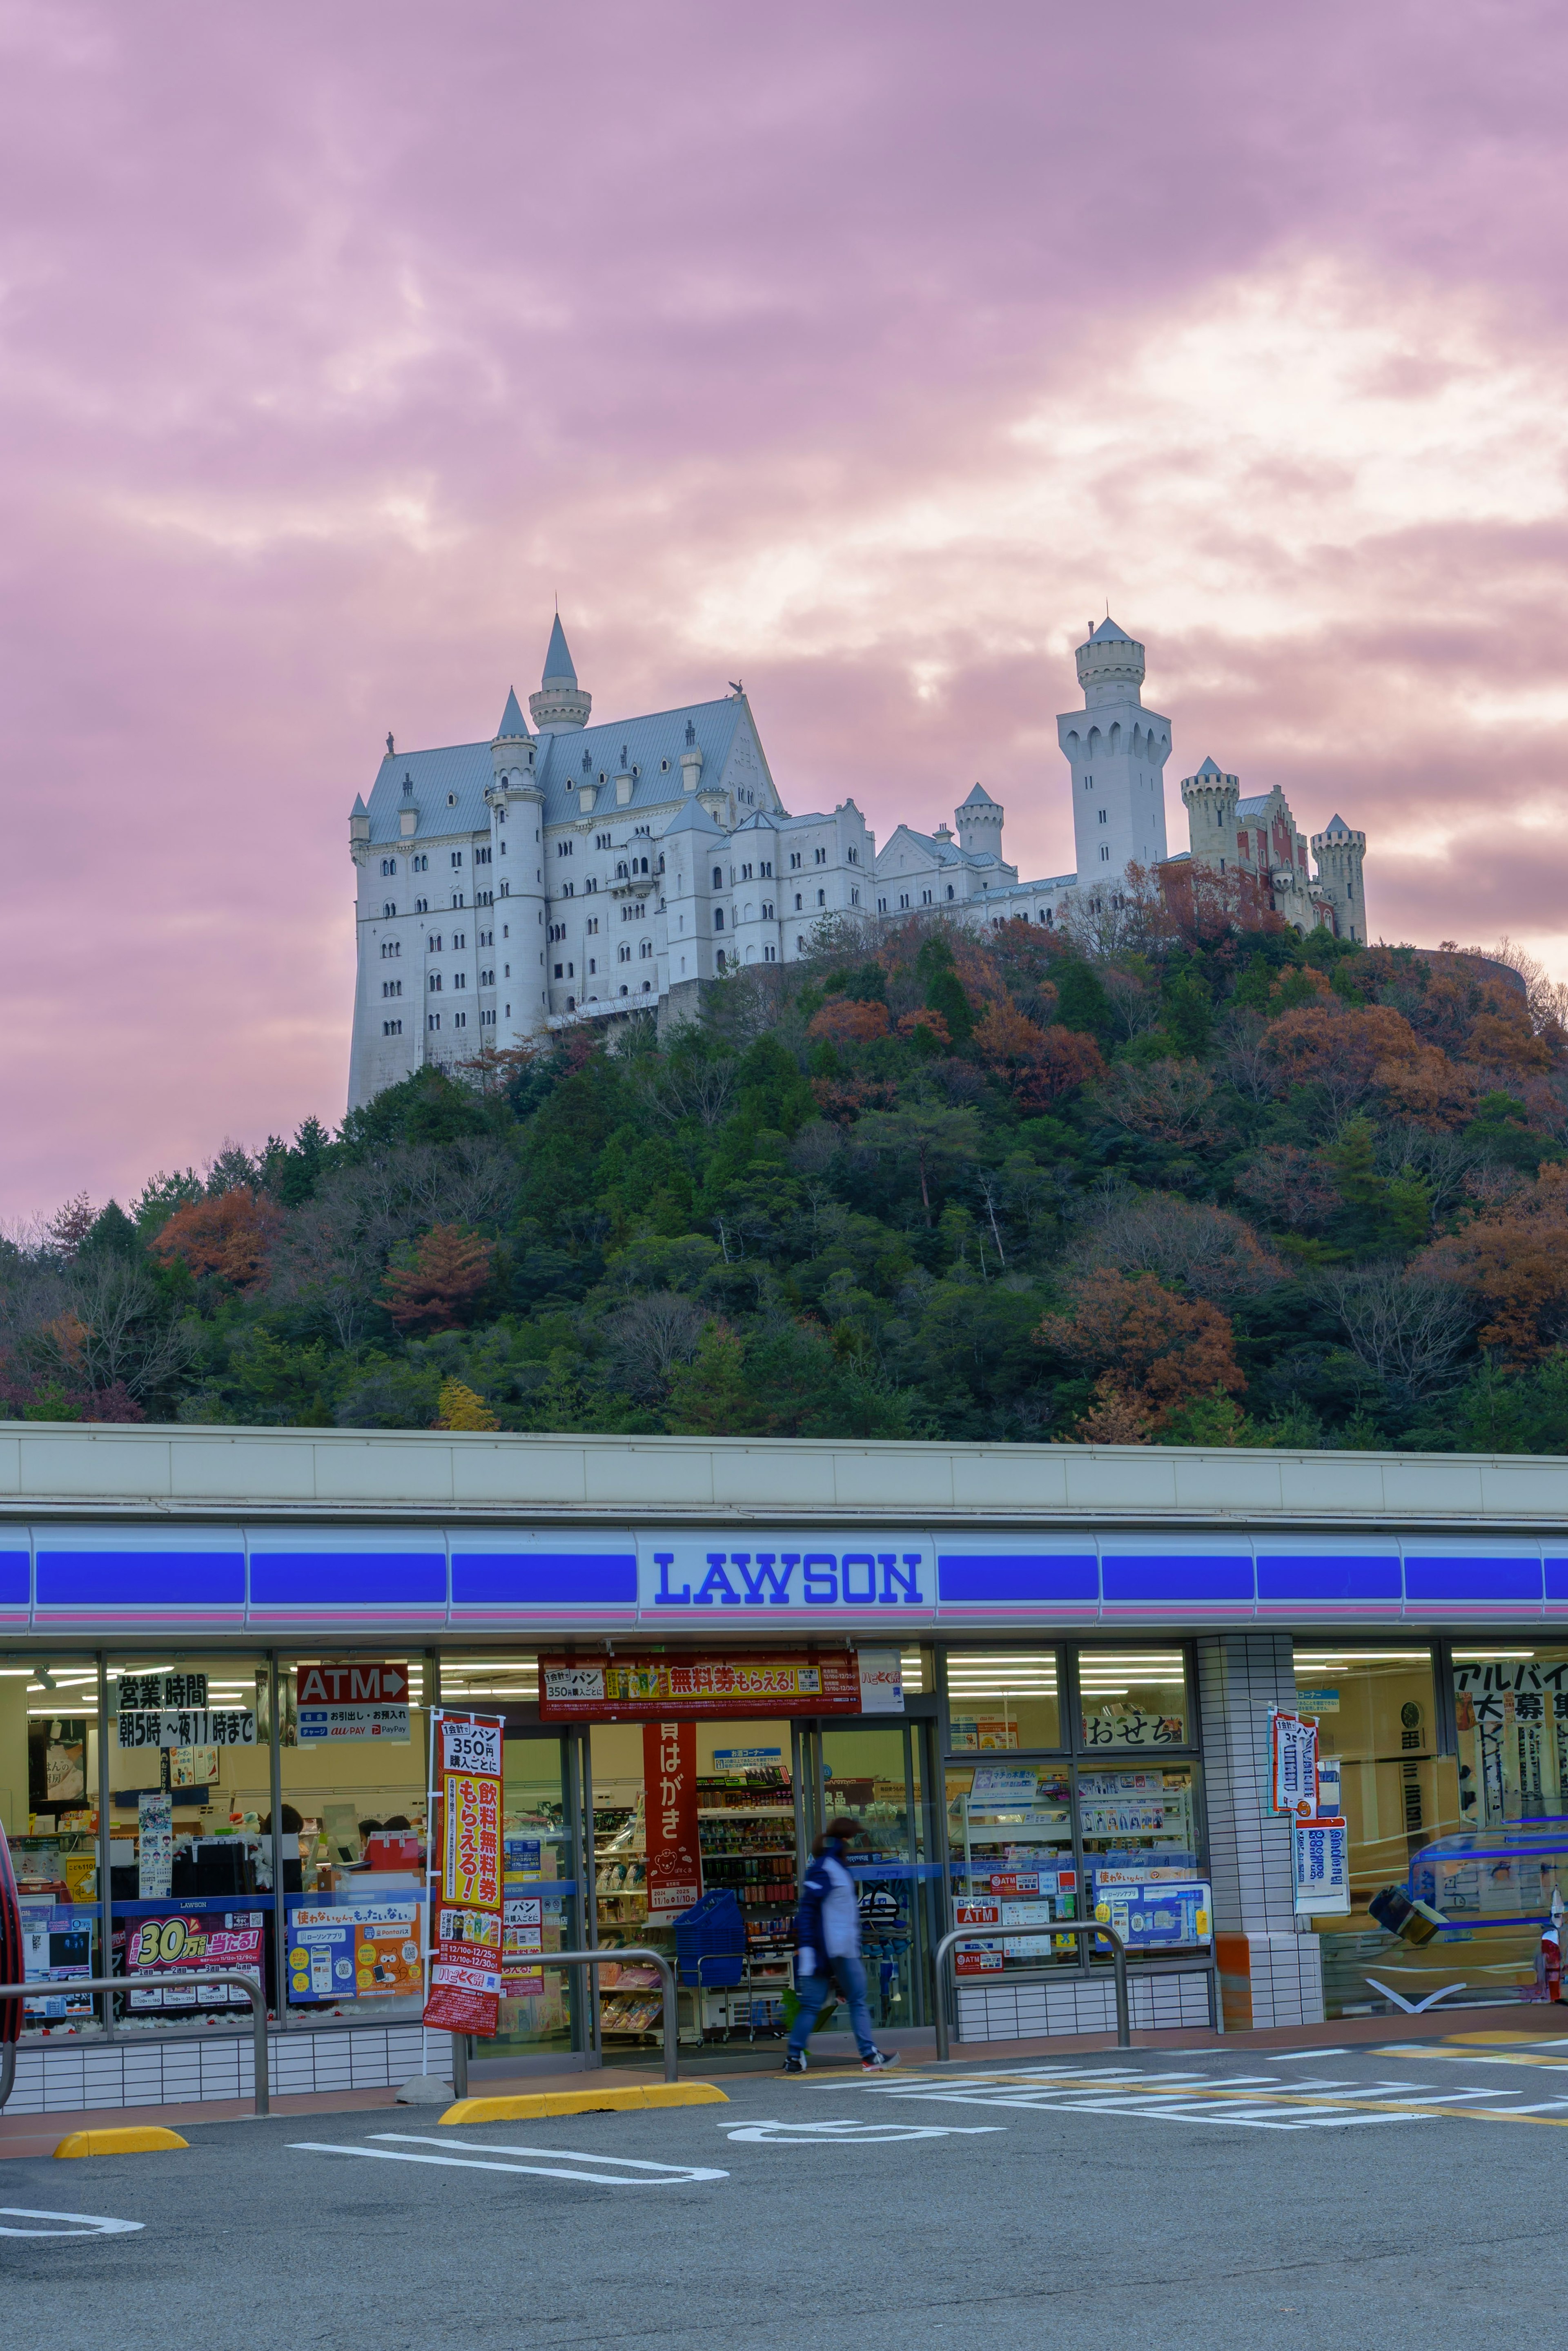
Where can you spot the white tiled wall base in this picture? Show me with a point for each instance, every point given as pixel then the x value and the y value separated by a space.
pixel 64 2077
pixel 1028 2012
pixel 1287 1973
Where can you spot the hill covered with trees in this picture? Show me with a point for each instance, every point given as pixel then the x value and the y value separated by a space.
pixel 1185 1177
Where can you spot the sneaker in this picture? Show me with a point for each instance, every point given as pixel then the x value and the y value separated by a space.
pixel 878 2063
pixel 795 2061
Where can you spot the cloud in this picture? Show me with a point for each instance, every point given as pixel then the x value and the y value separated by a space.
pixel 866 354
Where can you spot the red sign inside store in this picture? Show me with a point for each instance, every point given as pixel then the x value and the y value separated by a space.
pixel 651 1689
pixel 352 1685
pixel 669 1782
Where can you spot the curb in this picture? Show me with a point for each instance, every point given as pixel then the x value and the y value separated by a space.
pixel 635 2099
pixel 136 2138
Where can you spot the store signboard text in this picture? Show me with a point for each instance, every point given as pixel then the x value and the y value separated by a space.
pixel 781 1573
pixel 352 1701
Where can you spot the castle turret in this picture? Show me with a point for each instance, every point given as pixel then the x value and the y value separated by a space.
pixel 1339 853
pixel 1210 798
pixel 511 941
pixel 978 824
pixel 1117 752
pixel 560 702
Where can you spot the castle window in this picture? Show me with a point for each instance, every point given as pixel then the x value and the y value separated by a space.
pixel 904 901
pixel 719 960
pixel 718 918
pixel 392 1027
pixel 460 979
pixel 389 864
pixel 925 897
pixel 452 799
pixel 882 903
pixel 664 767
pixel 767 911
pixel 419 865
pixel 435 983
pixel 821 856
pixel 391 988
pixel 646 949
pixel 459 1019
pixel 855 897
pixel 593 965
pixel 623 955
pixel 1104 816
pixel 388 907
pixel 1105 855
pixel 601 840
pixel 853 855
pixel 457 897
pixel 432 945
pixel 718 877
pixel 765 872
pixel 433 1020
pixel 950 889
pixel 560 971
pixel 421 905
pixel 822 897
pixel 795 860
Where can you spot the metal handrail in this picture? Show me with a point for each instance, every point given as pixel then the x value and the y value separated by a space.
pixel 1081 1928
pixel 253 1988
pixel 614 1958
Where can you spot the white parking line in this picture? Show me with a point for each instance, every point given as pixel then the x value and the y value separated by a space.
pixel 81 2224
pixel 629 2172
pixel 851 2134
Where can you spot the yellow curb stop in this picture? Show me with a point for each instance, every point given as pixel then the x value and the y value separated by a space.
pixel 635 2097
pixel 137 2138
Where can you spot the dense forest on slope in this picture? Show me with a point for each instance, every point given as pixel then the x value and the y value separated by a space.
pixel 1180 1177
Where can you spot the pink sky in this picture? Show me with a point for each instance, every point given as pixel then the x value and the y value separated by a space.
pixel 863 352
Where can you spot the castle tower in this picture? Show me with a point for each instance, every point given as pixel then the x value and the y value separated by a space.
pixel 1210 798
pixel 515 918
pixel 1339 852
pixel 978 824
pixel 1117 750
pixel 560 701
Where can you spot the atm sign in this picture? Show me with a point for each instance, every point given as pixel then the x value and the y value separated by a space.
pixel 353 1684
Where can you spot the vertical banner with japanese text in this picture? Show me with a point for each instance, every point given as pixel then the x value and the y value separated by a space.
pixel 1292 1758
pixel 466 1926
pixel 669 1781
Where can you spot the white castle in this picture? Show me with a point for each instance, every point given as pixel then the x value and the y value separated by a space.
pixel 575 873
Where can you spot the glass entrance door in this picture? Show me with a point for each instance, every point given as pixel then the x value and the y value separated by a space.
pixel 880 1777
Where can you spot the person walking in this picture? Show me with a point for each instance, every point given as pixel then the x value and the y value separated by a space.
pixel 827 1950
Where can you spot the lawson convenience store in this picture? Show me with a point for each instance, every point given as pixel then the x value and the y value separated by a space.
pixel 1034 1675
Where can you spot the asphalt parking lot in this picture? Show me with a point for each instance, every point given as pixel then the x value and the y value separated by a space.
pixel 1388 2193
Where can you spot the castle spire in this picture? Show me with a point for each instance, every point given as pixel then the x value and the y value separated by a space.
pixel 560 701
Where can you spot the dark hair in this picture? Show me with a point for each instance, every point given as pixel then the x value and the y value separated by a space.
pixel 293 1821
pixel 837 1832
pixel 396 1821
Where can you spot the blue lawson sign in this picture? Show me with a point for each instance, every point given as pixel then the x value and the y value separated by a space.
pixel 777 1576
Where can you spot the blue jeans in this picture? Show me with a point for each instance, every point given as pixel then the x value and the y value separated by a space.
pixel 812 1990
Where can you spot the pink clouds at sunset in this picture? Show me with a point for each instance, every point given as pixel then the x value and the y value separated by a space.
pixel 861 352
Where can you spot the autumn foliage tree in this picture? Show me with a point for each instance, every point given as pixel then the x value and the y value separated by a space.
pixel 1512 1261
pixel 1152 1350
pixel 228 1236
pixel 441 1288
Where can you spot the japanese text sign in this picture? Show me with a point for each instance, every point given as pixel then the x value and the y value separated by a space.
pixel 650 1688
pixel 669 1781
pixel 465 1971
pixel 1293 1765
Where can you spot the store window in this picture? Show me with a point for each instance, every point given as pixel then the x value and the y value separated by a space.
pixel 1010 1832
pixel 1375 1709
pixel 49 1798
pixel 191 1856
pixel 1002 1700
pixel 353 1765
pixel 1133 1699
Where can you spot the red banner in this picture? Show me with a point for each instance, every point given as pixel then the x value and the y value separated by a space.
pixel 670 1809
pixel 651 1689
pixel 466 1930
